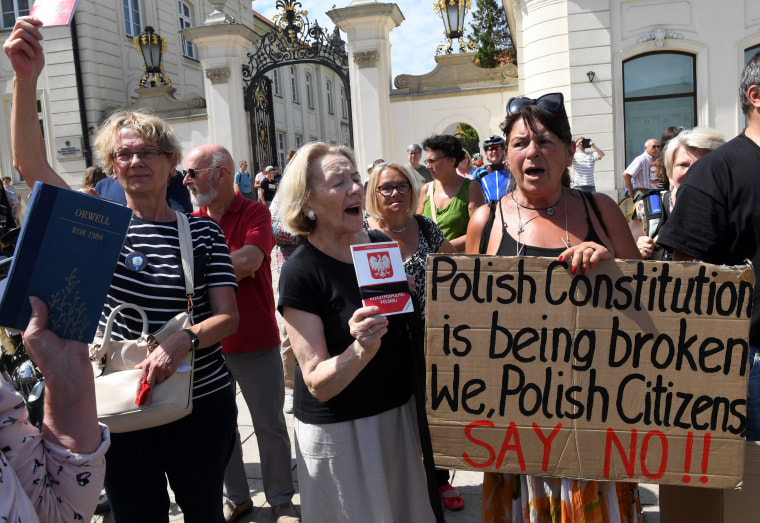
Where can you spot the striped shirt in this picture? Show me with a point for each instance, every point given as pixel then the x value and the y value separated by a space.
pixel 159 287
pixel 583 167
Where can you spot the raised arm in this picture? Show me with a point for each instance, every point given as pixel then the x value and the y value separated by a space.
pixel 24 51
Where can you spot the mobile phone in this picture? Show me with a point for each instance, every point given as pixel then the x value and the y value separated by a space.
pixel 586 143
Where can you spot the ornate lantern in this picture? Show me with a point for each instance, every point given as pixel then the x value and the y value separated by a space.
pixel 152 46
pixel 452 12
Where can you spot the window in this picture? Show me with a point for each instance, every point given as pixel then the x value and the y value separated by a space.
pixel 309 95
pixel 328 91
pixel 343 103
pixel 276 82
pixel 659 91
pixel 132 20
pixel 12 9
pixel 280 148
pixel 185 21
pixel 299 141
pixel 293 85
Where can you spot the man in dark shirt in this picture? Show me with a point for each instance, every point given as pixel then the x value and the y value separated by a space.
pixel 717 214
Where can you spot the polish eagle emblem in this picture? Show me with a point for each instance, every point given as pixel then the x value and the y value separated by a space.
pixel 380 265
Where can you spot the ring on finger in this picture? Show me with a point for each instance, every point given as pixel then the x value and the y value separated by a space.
pixel 370 331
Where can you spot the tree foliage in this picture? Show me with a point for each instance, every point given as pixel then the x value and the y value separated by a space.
pixel 491 33
pixel 469 138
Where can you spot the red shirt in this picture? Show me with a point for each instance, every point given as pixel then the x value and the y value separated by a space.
pixel 248 222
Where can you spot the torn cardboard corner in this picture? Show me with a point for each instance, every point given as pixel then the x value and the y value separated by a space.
pixel 635 371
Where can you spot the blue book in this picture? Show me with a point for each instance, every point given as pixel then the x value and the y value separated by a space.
pixel 66 255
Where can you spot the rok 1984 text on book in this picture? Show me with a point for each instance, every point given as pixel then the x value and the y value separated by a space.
pixel 66 255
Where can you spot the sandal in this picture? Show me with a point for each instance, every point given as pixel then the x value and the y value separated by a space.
pixel 450 497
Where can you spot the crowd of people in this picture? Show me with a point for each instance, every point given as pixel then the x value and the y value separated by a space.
pixel 363 450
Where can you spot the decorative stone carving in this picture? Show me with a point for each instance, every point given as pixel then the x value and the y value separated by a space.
pixel 364 58
pixel 455 72
pixel 161 102
pixel 218 75
pixel 659 34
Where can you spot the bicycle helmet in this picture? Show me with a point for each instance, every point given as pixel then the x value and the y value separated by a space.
pixel 494 139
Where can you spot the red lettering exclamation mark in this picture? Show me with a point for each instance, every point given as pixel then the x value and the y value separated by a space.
pixel 705 456
pixel 687 457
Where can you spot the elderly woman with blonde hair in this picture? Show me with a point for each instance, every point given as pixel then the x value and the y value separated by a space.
pixel 681 152
pixel 357 447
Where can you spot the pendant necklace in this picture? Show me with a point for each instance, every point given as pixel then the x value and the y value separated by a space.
pixel 402 229
pixel 549 210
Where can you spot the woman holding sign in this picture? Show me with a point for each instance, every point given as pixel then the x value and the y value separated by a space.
pixel 357 447
pixel 542 216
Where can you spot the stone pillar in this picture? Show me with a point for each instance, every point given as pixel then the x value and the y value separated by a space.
pixel 222 48
pixel 367 25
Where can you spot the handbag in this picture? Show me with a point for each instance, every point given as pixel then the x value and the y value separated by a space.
pixel 116 378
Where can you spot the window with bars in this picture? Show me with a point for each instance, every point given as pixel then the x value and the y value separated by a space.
pixel 132 17
pixel 185 21
pixel 12 9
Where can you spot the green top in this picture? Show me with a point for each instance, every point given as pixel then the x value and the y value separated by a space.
pixel 453 218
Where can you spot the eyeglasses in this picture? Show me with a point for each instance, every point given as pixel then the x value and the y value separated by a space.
pixel 552 102
pixel 192 173
pixel 147 155
pixel 387 190
pixel 432 161
pixel 655 147
pixel 493 148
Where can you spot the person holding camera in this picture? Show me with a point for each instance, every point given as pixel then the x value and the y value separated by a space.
pixel 495 177
pixel 586 155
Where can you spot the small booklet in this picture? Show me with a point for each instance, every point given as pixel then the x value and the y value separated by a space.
pixel 382 280
pixel 66 254
pixel 54 12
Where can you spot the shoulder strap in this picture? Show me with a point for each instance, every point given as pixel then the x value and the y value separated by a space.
pixel 590 199
pixel 486 234
pixel 424 228
pixel 430 191
pixel 186 250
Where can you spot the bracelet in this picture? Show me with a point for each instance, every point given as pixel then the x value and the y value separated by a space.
pixel 195 341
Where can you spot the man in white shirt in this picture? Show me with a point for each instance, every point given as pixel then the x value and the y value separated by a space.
pixel 583 164
pixel 636 175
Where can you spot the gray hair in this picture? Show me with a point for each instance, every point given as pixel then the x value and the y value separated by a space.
pixel 750 76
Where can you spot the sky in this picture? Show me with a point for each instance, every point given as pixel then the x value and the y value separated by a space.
pixel 413 43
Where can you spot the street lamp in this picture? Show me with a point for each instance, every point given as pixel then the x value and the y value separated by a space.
pixel 453 12
pixel 152 46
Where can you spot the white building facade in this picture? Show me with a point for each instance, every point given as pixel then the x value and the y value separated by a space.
pixel 310 104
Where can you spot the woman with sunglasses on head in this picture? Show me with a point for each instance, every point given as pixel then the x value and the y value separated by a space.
pixel 142 151
pixel 449 200
pixel 542 216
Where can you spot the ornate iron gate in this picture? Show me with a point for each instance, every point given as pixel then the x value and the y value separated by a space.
pixel 261 115
pixel 292 41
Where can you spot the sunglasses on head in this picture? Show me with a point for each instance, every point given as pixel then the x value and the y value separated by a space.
pixel 552 102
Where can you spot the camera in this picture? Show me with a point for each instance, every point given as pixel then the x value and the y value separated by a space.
pixel 586 143
pixel 497 166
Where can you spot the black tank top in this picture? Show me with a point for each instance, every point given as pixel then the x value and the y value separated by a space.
pixel 508 245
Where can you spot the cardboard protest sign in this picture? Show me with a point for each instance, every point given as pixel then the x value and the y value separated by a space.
pixel 635 371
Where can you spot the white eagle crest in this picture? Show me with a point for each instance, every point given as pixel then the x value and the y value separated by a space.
pixel 381 265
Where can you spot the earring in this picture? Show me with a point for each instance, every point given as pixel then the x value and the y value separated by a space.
pixel 311 215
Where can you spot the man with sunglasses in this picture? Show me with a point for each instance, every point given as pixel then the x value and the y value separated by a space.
pixel 636 175
pixel 252 354
pixel 495 177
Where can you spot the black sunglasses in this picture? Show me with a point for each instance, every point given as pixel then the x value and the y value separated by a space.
pixel 192 173
pixel 552 102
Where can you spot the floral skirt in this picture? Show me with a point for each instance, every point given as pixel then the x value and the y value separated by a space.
pixel 513 498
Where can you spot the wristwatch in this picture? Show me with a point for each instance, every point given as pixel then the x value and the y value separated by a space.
pixel 195 341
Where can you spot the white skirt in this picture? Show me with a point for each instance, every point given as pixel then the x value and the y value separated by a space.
pixel 367 470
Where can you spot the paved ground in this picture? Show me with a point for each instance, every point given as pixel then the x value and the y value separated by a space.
pixel 468 483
